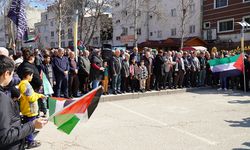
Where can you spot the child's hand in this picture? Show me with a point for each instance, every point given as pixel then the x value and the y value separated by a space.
pixel 42 96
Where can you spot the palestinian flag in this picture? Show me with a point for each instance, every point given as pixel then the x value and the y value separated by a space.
pixel 229 66
pixel 31 38
pixel 66 113
pixel 47 88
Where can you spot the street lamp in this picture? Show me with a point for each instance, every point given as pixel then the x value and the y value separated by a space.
pixel 244 25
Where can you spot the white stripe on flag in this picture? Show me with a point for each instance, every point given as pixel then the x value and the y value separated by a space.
pixel 59 106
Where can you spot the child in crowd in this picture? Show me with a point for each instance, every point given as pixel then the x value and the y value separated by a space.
pixel 133 73
pixel 29 103
pixel 105 81
pixel 142 76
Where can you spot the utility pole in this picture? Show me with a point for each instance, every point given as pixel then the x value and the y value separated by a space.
pixel 135 24
pixel 147 19
pixel 60 24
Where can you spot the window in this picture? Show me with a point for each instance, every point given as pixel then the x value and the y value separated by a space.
pixel 46 38
pixel 52 34
pixel 51 23
pixel 70 35
pixel 173 32
pixel 173 12
pixel 139 13
pixel 151 33
pixel 247 19
pixel 192 8
pixel 226 25
pixel 52 44
pixel 117 21
pixel 117 4
pixel 192 29
pixel 46 17
pixel 124 31
pixel 246 1
pixel 206 25
pixel 95 41
pixel 159 34
pixel 139 31
pixel 63 44
pixel 124 13
pixel 118 38
pixel 220 3
pixel 62 34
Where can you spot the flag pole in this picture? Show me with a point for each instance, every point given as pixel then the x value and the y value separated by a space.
pixel 76 35
pixel 55 114
pixel 243 56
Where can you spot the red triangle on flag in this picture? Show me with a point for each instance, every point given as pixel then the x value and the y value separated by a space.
pixel 239 63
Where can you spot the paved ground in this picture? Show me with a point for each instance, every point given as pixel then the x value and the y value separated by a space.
pixel 202 120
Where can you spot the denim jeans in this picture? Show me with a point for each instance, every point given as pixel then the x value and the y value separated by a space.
pixel 95 84
pixel 202 77
pixel 29 138
pixel 116 83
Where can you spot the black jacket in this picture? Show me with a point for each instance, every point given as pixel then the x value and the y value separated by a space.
pixel 36 81
pixel 159 65
pixel 12 132
pixel 96 73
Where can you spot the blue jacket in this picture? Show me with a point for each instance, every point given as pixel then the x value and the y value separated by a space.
pixel 60 65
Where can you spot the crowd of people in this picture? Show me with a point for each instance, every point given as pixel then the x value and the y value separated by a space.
pixel 132 71
pixel 126 71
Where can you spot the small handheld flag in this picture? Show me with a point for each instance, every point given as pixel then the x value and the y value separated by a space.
pixel 66 113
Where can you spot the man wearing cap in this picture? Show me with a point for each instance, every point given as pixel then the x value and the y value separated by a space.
pixel 61 69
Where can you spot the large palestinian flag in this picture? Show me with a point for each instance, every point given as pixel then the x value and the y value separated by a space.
pixel 66 113
pixel 228 66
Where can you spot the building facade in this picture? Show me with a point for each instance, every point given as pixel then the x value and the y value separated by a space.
pixel 155 20
pixel 47 30
pixel 2 32
pixel 220 17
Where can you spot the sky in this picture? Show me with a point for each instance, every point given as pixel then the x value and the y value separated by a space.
pixel 41 4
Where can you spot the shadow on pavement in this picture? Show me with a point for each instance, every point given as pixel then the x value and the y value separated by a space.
pixel 209 90
pixel 247 144
pixel 245 123
pixel 239 102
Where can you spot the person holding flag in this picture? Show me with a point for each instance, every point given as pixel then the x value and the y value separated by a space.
pixel 13 132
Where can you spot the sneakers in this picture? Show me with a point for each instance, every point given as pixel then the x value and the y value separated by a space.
pixel 33 144
pixel 219 89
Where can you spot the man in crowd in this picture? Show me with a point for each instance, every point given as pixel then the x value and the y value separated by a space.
pixel 84 71
pixel 148 62
pixel 61 69
pixel 159 70
pixel 73 75
pixel 116 72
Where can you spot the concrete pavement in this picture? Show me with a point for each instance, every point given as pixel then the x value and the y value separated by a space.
pixel 196 120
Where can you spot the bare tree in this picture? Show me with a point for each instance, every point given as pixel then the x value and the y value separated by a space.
pixel 140 11
pixel 185 9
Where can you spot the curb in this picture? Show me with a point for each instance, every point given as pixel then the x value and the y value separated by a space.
pixel 108 98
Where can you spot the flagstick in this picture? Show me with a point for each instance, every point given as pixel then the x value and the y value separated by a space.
pixel 55 114
pixel 243 51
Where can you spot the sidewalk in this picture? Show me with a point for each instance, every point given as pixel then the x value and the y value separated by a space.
pixel 107 98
